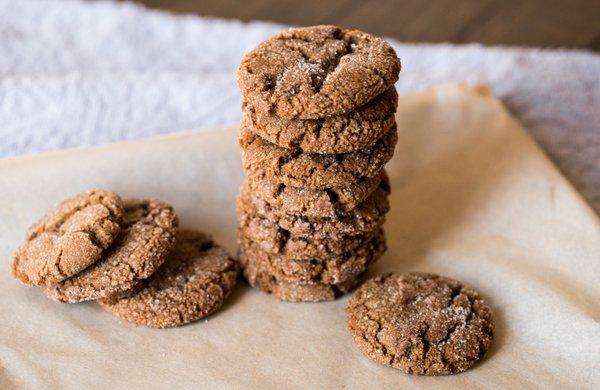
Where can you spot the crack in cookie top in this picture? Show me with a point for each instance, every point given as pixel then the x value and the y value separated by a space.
pixel 313 72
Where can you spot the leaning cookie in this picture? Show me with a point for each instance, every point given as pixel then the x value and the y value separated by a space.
pixel 148 235
pixel 266 161
pixel 313 72
pixel 358 129
pixel 194 281
pixel 69 239
pixel 420 323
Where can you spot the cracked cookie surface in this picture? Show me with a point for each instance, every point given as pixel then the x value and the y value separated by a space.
pixel 327 202
pixel 68 239
pixel 345 133
pixel 193 282
pixel 420 323
pixel 313 72
pixel 327 268
pixel 266 161
pixel 366 217
pixel 148 235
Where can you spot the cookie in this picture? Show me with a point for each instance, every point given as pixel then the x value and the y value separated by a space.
pixel 344 133
pixel 313 72
pixel 420 323
pixel 262 280
pixel 366 217
pixel 193 282
pixel 266 161
pixel 328 269
pixel 314 203
pixel 148 235
pixel 68 239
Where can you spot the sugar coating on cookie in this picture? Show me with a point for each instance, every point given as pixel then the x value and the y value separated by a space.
pixel 193 282
pixel 312 72
pixel 148 235
pixel 326 268
pixel 69 238
pixel 420 323
pixel 264 160
pixel 355 130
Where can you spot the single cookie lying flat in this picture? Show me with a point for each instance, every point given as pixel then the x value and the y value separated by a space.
pixel 264 281
pixel 148 235
pixel 68 239
pixel 329 269
pixel 315 203
pixel 313 72
pixel 366 217
pixel 266 161
pixel 420 323
pixel 355 130
pixel 192 283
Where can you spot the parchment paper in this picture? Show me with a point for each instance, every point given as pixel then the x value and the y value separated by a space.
pixel 472 198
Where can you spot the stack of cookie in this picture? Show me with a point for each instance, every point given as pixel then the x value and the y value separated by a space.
pixel 129 256
pixel 317 130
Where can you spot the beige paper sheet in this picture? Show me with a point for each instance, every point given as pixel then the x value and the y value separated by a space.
pixel 473 198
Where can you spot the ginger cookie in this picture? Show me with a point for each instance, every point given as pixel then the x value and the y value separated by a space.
pixel 313 72
pixel 366 217
pixel 335 134
pixel 264 281
pixel 68 239
pixel 148 235
pixel 266 161
pixel 420 323
pixel 193 282
pixel 328 268
pixel 314 203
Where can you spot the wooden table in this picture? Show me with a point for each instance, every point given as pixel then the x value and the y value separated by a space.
pixel 546 23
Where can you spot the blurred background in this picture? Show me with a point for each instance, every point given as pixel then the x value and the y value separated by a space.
pixel 545 23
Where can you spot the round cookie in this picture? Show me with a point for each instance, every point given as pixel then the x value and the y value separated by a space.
pixel 328 269
pixel 266 161
pixel 262 280
pixel 344 133
pixel 366 217
pixel 313 72
pixel 315 203
pixel 68 239
pixel 196 278
pixel 420 323
pixel 148 235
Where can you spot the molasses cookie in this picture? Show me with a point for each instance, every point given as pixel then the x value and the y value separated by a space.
pixel 191 284
pixel 344 133
pixel 148 235
pixel 266 161
pixel 69 239
pixel 420 323
pixel 313 72
pixel 315 203
pixel 328 269
pixel 366 217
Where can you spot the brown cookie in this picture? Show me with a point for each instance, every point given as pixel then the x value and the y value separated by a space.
pixel 366 217
pixel 344 133
pixel 148 235
pixel 314 203
pixel 420 323
pixel 266 161
pixel 262 280
pixel 313 72
pixel 68 239
pixel 192 283
pixel 328 268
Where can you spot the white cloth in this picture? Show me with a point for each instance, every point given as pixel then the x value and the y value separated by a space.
pixel 76 73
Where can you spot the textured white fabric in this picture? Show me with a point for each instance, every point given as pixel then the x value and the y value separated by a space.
pixel 76 73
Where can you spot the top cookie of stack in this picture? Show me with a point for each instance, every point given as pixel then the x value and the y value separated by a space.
pixel 317 129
